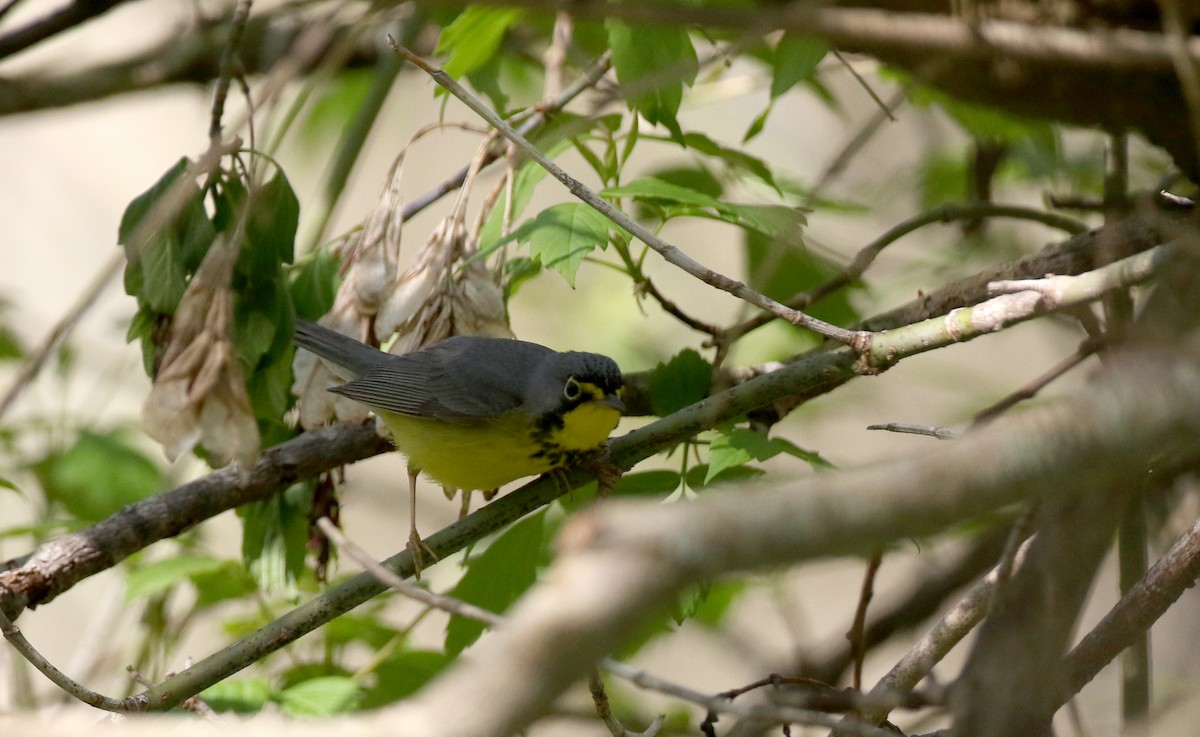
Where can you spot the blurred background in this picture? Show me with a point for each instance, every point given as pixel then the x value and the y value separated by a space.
pixel 69 172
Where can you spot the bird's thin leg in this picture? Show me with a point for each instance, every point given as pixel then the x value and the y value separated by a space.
pixel 416 546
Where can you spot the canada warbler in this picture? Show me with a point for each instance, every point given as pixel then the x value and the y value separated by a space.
pixel 476 413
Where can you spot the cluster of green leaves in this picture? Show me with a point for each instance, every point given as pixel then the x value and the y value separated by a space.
pixel 161 262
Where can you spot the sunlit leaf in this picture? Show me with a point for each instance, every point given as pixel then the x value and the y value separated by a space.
pixel 795 59
pixel 320 697
pixel 561 236
pixel 474 37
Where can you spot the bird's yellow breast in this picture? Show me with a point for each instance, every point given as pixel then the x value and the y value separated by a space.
pixel 490 453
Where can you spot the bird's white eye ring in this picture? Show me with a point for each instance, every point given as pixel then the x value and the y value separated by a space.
pixel 572 390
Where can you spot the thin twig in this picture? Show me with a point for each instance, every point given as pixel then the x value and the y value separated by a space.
pixel 909 428
pixel 544 109
pixel 1132 562
pixel 237 27
pixel 883 107
pixel 1087 348
pixel 918 662
pixel 855 145
pixel 867 255
pixel 858 645
pixel 669 252
pixel 36 360
pixel 604 711
pixel 457 607
pixel 16 638
pixel 720 704
pixel 1137 610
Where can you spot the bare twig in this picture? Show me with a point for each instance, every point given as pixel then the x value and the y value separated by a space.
pixel 927 652
pixel 884 108
pixel 387 577
pixel 1137 610
pixel 36 360
pixel 229 64
pixel 604 711
pixel 941 433
pixel 1086 349
pixel 724 704
pixel 857 635
pixel 13 634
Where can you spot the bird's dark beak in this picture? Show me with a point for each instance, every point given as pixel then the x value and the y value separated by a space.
pixel 612 400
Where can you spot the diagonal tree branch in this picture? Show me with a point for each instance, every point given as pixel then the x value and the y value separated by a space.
pixel 60 564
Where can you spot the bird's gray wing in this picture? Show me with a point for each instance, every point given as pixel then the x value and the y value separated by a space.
pixel 461 379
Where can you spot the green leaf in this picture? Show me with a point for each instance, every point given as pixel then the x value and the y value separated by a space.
pixel 474 37
pixel 10 342
pixel 738 446
pixel 403 674
pixel 735 159
pixel 497 577
pixel 517 271
pixel 356 628
pixel 653 65
pixel 335 104
pixel 509 82
pixel 320 697
pixel 756 126
pixel 314 282
pixel 718 597
pixel 525 180
pixel 241 695
pixel 275 538
pixel 979 120
pixel 706 603
pixel 727 452
pixel 811 457
pixel 774 221
pixel 696 476
pixel 795 59
pixel 682 381
pixel 271 227
pixel 163 574
pixel 647 483
pixel 158 267
pixel 228 582
pixel 562 235
pixel 97 475
pixel 6 484
pixel 651 189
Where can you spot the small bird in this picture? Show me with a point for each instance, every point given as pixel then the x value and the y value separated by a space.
pixel 476 413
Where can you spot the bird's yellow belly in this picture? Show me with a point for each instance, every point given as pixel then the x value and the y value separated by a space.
pixel 492 453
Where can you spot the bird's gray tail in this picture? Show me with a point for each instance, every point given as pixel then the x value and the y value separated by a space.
pixel 344 355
